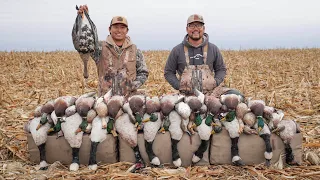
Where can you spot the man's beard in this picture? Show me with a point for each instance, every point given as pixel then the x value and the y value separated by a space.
pixel 195 39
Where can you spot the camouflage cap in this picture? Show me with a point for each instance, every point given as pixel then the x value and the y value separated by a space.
pixel 195 18
pixel 119 20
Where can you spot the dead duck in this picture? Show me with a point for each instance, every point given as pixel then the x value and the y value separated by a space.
pixel 60 106
pixel 152 120
pixel 69 127
pixel 205 129
pixel 83 105
pixel 257 108
pixel 195 103
pixel 127 131
pixel 137 104
pixel 47 108
pixel 39 133
pixel 114 106
pixel 99 126
pixel 230 121
pixel 286 129
pixel 172 123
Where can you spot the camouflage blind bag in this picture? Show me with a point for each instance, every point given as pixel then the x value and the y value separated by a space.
pixel 84 34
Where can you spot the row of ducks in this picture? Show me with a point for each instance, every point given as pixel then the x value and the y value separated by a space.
pixel 70 117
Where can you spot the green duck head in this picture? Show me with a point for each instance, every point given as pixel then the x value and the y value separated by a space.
pixel 209 119
pixel 166 123
pixel 153 117
pixel 110 125
pixel 198 119
pixel 57 127
pixel 231 116
pixel 260 123
pixel 138 118
pixel 83 124
pixel 43 120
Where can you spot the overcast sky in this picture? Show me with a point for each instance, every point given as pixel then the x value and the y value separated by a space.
pixel 39 25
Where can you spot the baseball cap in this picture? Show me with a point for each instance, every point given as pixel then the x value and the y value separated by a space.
pixel 195 18
pixel 119 20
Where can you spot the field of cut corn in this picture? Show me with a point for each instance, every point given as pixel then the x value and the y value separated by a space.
pixel 288 79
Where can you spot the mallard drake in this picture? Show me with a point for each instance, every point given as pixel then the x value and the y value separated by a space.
pixel 214 106
pixel 137 105
pixel 99 120
pixel 83 105
pixel 249 120
pixel 98 134
pixel 47 108
pixel 257 108
pixel 195 103
pixel 39 135
pixel 230 121
pixel 172 122
pixel 152 120
pixel 127 131
pixel 69 127
pixel 114 106
pixel 61 104
pixel 286 129
pixel 205 129
pixel 167 105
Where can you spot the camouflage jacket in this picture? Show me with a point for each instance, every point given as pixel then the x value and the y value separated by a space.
pixel 141 66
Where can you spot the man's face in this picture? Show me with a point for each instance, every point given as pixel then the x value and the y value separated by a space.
pixel 118 31
pixel 195 30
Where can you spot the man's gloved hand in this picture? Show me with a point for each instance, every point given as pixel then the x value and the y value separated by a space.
pixel 83 8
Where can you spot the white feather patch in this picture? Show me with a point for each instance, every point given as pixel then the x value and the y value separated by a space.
pixel 268 155
pixel 235 158
pixel 177 162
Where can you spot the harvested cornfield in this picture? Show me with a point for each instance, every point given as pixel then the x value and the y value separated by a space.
pixel 286 79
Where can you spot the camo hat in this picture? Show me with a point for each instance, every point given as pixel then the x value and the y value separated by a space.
pixel 195 18
pixel 119 20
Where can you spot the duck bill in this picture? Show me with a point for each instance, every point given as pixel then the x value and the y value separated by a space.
pixel 162 130
pixel 38 127
pixel 213 132
pixel 223 119
pixel 77 131
pixel 259 129
pixel 146 120
pixel 214 124
pixel 50 130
